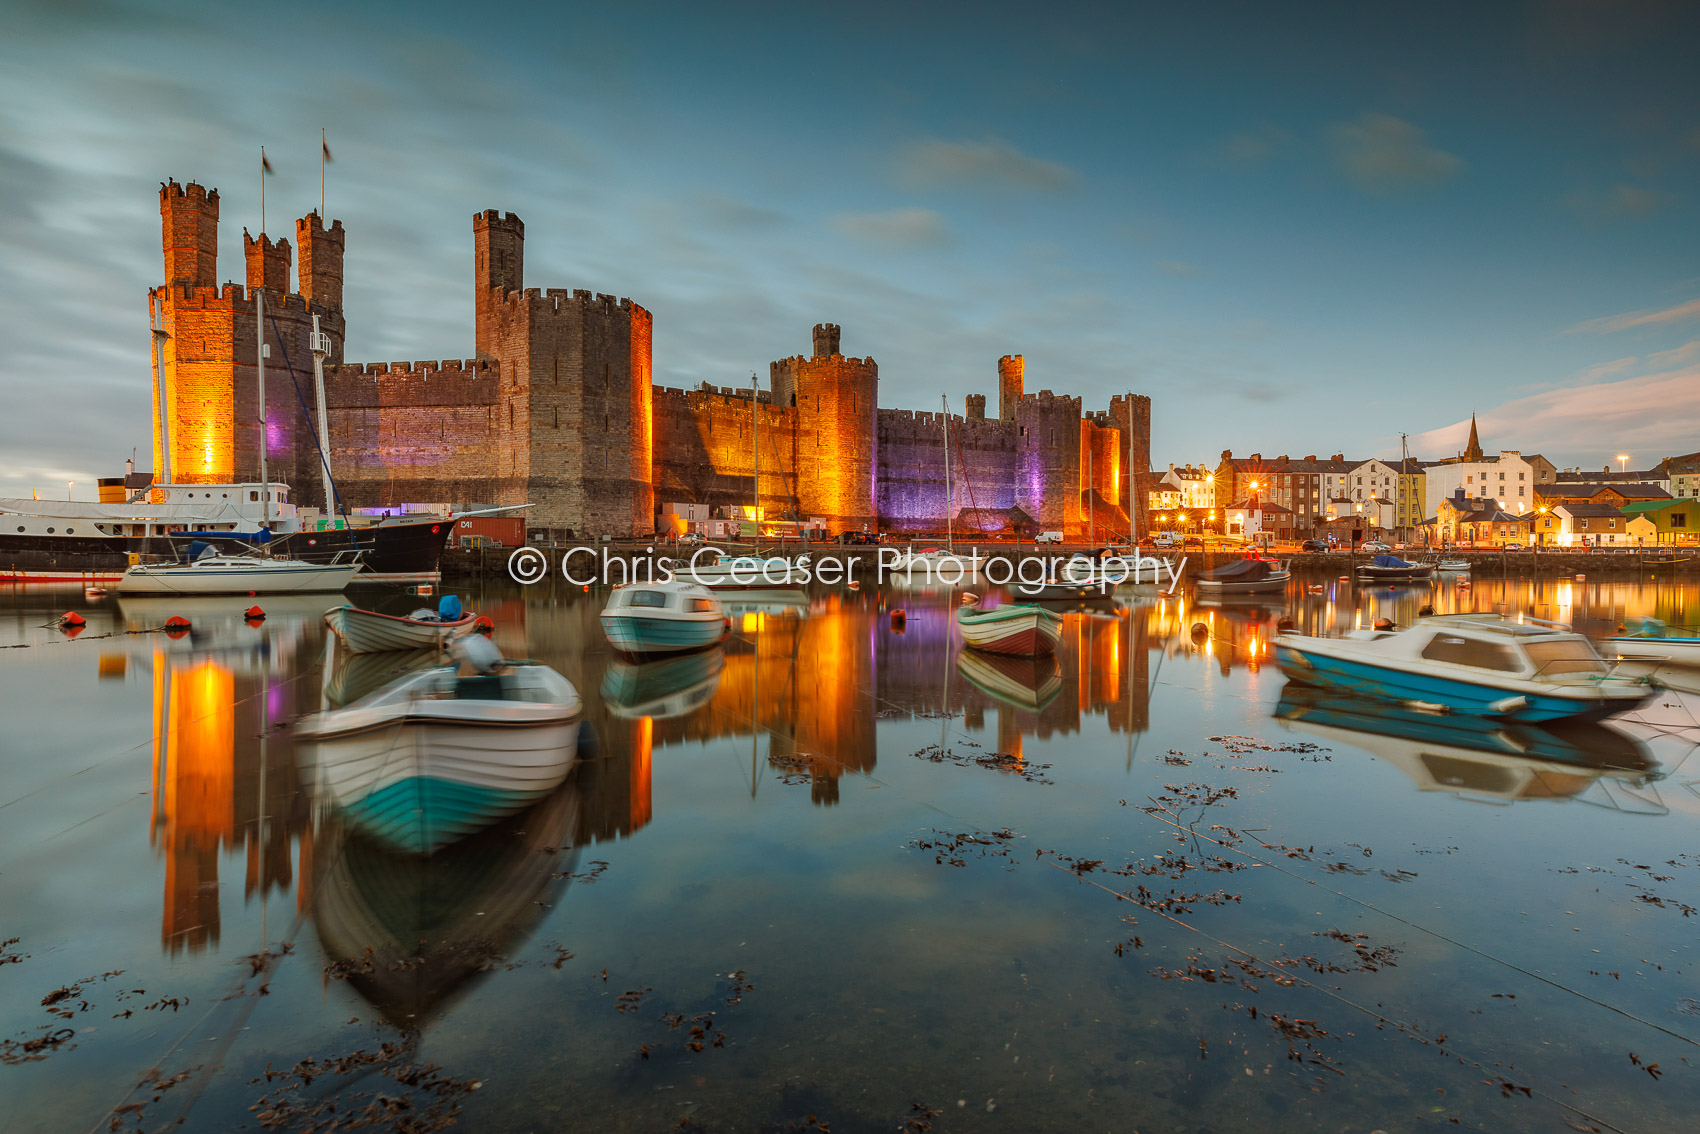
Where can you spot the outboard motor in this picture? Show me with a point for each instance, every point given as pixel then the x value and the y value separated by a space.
pixel 480 653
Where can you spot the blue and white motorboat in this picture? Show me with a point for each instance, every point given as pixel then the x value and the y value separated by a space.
pixel 1493 760
pixel 1391 569
pixel 663 618
pixel 1651 643
pixel 1480 664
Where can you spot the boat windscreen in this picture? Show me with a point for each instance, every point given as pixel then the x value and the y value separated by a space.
pixel 1241 571
pixel 1460 650
pixel 1565 655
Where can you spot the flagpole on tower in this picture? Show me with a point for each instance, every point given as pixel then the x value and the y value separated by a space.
pixel 264 166
pixel 324 156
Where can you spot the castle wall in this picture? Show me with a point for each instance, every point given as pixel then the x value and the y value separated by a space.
pixel 703 451
pixel 1132 414
pixel 912 472
pixel 417 432
pixel 1047 485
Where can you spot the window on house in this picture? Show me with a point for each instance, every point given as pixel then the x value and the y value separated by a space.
pixel 1582 523
pixel 1519 490
pixel 1677 520
pixel 1522 476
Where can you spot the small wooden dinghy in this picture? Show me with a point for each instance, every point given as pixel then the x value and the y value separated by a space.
pixel 1022 629
pixel 368 632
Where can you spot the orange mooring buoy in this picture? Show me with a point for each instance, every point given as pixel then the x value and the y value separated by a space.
pixel 176 626
pixel 899 618
pixel 72 618
pixel 482 625
pixel 254 614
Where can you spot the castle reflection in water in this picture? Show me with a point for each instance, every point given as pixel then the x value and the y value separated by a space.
pixel 806 681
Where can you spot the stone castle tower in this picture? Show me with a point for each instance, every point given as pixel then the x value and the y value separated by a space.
pixel 837 436
pixel 211 387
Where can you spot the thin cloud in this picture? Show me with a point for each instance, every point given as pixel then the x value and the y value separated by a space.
pixel 1179 269
pixel 1617 202
pixel 1609 323
pixel 937 164
pixel 1648 415
pixel 1250 148
pixel 895 227
pixel 1383 155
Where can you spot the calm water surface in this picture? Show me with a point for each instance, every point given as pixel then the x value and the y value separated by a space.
pixel 837 875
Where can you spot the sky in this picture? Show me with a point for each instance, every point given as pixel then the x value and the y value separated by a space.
pixel 1298 228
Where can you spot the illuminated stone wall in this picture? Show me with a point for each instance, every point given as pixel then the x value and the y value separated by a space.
pixel 836 400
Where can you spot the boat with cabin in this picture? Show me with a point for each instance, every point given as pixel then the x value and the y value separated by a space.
pixel 94 542
pixel 661 618
pixel 744 571
pixel 212 574
pixel 1250 576
pixel 1478 664
pixel 1386 568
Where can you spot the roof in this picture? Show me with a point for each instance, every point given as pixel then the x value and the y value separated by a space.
pixel 1579 490
pixel 1312 465
pixel 1588 508
pixel 1262 506
pixel 1653 505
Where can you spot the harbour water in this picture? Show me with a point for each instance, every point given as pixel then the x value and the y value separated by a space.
pixel 835 874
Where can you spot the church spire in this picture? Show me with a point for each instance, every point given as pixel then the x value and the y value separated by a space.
pixel 1474 451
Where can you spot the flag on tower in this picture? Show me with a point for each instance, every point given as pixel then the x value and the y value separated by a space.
pixel 265 163
pixel 324 146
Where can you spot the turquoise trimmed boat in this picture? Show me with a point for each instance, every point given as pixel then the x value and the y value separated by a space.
pixel 662 618
pixel 1478 664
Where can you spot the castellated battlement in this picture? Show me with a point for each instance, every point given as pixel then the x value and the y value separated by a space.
pixel 170 189
pixel 232 296
pixel 496 217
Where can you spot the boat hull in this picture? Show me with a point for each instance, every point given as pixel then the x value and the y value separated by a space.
pixel 1273 584
pixel 1021 631
pixel 280 580
pixel 392 552
pixel 1413 574
pixel 1676 651
pixel 368 632
pixel 417 785
pixel 635 634
pixel 1387 683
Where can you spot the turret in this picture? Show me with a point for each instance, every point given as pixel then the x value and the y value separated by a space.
pixel 320 271
pixel 498 251
pixel 188 219
pixel 268 262
pixel 1012 376
pixel 826 340
pixel 976 407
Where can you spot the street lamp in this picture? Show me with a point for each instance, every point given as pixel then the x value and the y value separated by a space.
pixel 1621 461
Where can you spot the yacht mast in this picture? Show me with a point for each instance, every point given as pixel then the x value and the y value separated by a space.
pixel 321 344
pixel 260 361
pixel 755 453
pixel 156 308
pixel 949 536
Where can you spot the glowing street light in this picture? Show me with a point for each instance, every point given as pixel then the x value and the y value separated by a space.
pixel 1622 460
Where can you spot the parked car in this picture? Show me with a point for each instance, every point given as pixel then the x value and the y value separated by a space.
pixel 1313 545
pixel 855 538
pixel 1167 539
pixel 1376 546
pixel 693 537
pixel 1048 537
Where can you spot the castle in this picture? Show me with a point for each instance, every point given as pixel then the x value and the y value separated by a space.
pixel 558 409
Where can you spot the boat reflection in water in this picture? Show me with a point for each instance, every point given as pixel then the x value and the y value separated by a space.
pixel 412 932
pixel 663 689
pixel 1477 758
pixel 1029 683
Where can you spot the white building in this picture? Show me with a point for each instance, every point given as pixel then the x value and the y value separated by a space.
pixel 1195 487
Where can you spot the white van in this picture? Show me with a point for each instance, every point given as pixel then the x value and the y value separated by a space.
pixel 1048 537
